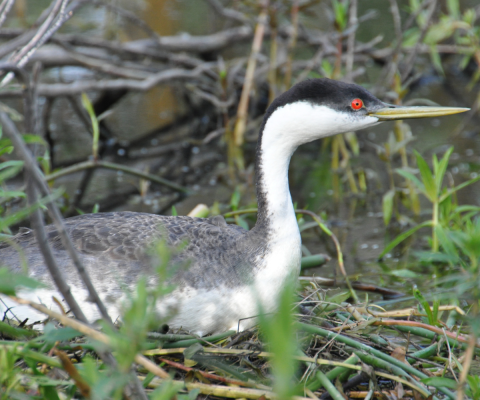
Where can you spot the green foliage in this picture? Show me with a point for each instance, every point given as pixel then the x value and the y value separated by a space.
pixel 432 313
pixel 10 282
pixel 431 186
pixel 87 104
pixel 280 332
pixel 450 26
pixel 340 10
pixel 10 375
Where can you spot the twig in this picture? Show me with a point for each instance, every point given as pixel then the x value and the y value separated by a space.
pixel 469 354
pixel 116 167
pixel 128 15
pixel 38 178
pixel 242 111
pixel 291 44
pixel 53 22
pixel 77 87
pixel 352 22
pixel 5 8
pixel 228 12
pixel 411 58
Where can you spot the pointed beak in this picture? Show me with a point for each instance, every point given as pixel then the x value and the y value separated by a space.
pixel 398 112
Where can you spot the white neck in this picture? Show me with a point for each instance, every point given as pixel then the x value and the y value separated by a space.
pixel 287 128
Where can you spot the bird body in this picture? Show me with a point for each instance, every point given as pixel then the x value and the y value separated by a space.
pixel 225 275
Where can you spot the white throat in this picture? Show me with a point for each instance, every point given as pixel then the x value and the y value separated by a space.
pixel 287 128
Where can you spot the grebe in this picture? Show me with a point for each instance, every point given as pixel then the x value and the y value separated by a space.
pixel 230 270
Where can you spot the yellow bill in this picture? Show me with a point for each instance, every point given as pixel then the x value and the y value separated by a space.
pixel 399 112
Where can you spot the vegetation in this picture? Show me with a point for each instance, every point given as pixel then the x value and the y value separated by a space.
pixel 343 342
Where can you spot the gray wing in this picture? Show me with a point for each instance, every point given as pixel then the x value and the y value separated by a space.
pixel 117 247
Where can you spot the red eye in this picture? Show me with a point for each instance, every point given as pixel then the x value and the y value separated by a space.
pixel 357 104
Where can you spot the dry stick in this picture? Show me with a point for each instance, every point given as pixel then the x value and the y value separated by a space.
pixel 46 30
pixel 228 12
pixel 116 167
pixel 291 44
pixel 353 20
pixel 469 354
pixel 56 273
pixel 128 15
pixel 38 178
pixel 78 87
pixel 411 58
pixel 5 8
pixel 91 333
pixel 178 43
pixel 242 111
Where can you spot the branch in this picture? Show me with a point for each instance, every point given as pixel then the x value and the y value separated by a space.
pixel 116 167
pixel 38 178
pixel 228 12
pixel 37 218
pixel 5 8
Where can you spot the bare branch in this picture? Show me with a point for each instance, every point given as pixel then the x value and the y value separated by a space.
pixel 77 87
pixel 5 8
pixel 228 12
pixel 37 218
pixel 352 22
pixel 411 58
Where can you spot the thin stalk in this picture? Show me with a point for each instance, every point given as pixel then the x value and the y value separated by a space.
pixel 331 389
pixel 434 226
pixel 208 339
pixel 242 111
pixel 116 167
pixel 334 373
pixel 291 44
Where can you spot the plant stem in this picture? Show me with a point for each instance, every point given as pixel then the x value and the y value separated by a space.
pixel 434 227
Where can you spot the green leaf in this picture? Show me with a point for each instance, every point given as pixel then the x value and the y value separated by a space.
pixel 404 273
pixel 21 214
pixel 446 243
pixel 453 8
pixel 235 199
pixel 400 238
pixel 240 221
pixel 87 104
pixel 408 175
pixel 10 281
pixel 11 194
pixel 426 307
pixel 29 138
pixel 52 334
pixel 427 178
pixel 436 60
pixel 174 212
pixel 13 332
pixel 440 169
pixel 440 382
pixel 387 206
